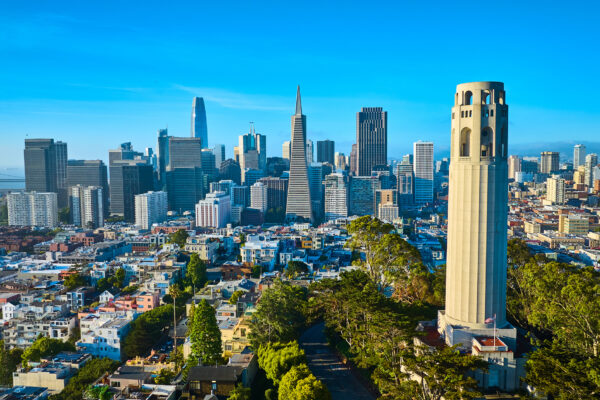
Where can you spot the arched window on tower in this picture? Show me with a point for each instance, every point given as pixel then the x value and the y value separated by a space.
pixel 465 142
pixel 485 97
pixel 487 142
pixel 468 98
pixel 504 142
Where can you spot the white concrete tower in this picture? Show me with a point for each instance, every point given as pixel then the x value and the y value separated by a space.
pixel 477 207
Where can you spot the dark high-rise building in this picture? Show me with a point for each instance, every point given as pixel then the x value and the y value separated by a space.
pixel 241 195
pixel 371 139
pixel 276 166
pixel 128 178
pixel 298 202
pixel 353 160
pixel 184 152
pixel 362 195
pixel 163 156
pixel 89 173
pixel 124 152
pixel 326 151
pixel 209 165
pixel 46 168
pixel 185 187
pixel 199 128
pixel 277 189
pixel 230 170
pixel 251 176
pixel 317 193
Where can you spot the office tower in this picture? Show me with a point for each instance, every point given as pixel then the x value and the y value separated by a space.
pixel 340 161
pixel 578 155
pixel 298 202
pixel 591 160
pixel 185 187
pixel 224 186
pixel 277 165
pixel 405 186
pixel 555 190
pixel 199 128
pixel 514 165
pixel 353 160
pixel 163 155
pixel 362 195
pixel 315 183
pixel 150 208
pixel 241 195
pixel 549 162
pixel 184 152
pixel 371 139
pixel 529 165
pixel 209 164
pixel 230 170
pixel 423 172
pixel 286 150
pixel 476 261
pixel 214 211
pixel 405 166
pixel 87 206
pixel 219 152
pixel 276 191
pixel 46 167
pixel 258 196
pixel 252 150
pixel 336 196
pixel 326 151
pixel 32 209
pixel 89 173
pixel 309 151
pixel 124 152
pixel 386 204
pixel 251 176
pixel 128 178
pixel 442 166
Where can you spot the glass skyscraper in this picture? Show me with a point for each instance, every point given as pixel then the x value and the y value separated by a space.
pixel 199 129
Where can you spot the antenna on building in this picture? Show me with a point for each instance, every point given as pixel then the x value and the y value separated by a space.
pixel 252 127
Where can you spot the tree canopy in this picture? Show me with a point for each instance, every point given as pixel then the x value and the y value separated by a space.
pixel 73 281
pixel 279 314
pixel 86 375
pixel 295 268
pixel 45 347
pixel 205 335
pixel 300 384
pixel 179 238
pixel 9 361
pixel 277 358
pixel 196 271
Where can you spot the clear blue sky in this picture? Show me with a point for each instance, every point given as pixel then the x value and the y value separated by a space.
pixel 96 74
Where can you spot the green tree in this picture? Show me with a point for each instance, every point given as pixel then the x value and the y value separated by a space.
pixel 174 292
pixel 239 393
pixel 205 335
pixel 235 296
pixel 439 374
pixel 256 271
pixel 277 358
pixel 387 257
pixel 300 384
pixel 279 314
pixel 45 347
pixel 147 329
pixel 9 361
pixel 75 280
pixel 164 377
pixel 99 392
pixel 295 268
pixel 196 271
pixel 179 238
pixel 85 376
pixel 4 214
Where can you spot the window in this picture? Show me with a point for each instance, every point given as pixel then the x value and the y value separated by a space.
pixel 487 142
pixel 465 142
pixel 468 98
pixel 491 113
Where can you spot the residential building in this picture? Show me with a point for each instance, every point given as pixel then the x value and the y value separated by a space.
pixel 514 166
pixel 336 196
pixel 89 173
pixel 591 160
pixel 214 211
pixel 549 162
pixel 102 335
pixel 87 206
pixel 150 208
pixel 555 190
pixel 52 376
pixel 260 250
pixel 32 209
pixel 578 155
pixel 259 196
pixel 286 150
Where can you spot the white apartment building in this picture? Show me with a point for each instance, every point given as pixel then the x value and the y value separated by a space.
pixel 258 196
pixel 150 208
pixel 86 204
pixel 423 169
pixel 214 211
pixel 336 197
pixel 32 209
pixel 555 190
pixel 102 335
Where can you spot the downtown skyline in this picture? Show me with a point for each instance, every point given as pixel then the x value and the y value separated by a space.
pixel 136 81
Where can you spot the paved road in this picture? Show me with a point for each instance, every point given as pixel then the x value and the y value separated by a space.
pixel 326 366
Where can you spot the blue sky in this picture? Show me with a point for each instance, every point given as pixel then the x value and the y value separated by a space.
pixel 96 75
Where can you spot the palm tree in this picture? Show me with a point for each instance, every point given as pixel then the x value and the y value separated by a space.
pixel 174 293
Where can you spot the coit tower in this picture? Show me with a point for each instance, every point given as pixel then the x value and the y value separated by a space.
pixel 477 207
